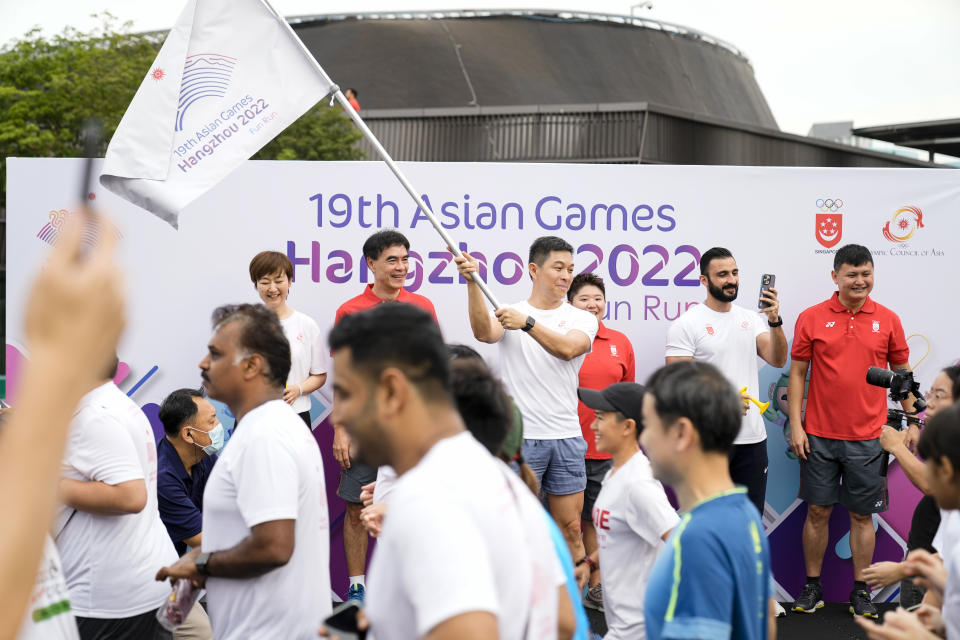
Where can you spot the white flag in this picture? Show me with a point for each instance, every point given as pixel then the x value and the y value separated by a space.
pixel 230 76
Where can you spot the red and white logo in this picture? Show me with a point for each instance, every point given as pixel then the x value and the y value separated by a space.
pixel 829 228
pixel 745 324
pixel 710 330
pixel 613 350
pixel 876 327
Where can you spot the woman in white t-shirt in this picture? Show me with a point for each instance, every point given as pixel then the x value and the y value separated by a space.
pixel 272 275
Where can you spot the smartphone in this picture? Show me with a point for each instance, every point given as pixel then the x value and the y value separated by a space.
pixel 767 281
pixel 343 621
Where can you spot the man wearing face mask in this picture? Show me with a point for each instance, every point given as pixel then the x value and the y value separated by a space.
pixel 185 456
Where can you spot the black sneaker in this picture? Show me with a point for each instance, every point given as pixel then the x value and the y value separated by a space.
pixel 860 604
pixel 811 598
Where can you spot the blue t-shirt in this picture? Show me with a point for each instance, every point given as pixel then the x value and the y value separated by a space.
pixel 712 579
pixel 179 494
pixel 576 597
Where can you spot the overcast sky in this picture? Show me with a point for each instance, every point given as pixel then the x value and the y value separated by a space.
pixel 870 61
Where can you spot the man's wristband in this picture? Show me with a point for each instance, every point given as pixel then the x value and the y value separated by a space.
pixel 588 561
pixel 778 323
pixel 201 563
pixel 529 325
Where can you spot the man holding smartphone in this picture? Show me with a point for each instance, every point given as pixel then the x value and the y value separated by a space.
pixel 731 337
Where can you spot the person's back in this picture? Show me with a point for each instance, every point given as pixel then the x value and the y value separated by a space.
pixel 110 560
pixel 712 578
pixel 269 449
pixel 450 545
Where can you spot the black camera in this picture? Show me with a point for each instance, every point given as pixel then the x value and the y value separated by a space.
pixel 901 384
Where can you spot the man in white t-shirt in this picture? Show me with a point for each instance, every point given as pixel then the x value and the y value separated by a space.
pixel 730 338
pixel 108 529
pixel 543 341
pixel 631 515
pixel 265 548
pixel 453 560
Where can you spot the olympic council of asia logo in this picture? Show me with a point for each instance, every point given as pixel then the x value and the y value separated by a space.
pixel 903 225
pixel 829 223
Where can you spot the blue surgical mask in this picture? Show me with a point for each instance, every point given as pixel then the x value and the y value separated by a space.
pixel 216 440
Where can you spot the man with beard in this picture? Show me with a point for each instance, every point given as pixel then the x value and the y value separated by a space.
pixel 264 556
pixel 731 337
pixel 452 562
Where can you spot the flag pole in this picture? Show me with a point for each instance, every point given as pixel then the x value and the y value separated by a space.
pixel 342 99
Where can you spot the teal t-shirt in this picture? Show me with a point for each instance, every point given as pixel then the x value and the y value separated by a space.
pixel 712 579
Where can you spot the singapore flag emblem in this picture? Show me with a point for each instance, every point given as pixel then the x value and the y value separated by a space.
pixel 829 228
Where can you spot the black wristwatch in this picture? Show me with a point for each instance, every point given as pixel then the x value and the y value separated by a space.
pixel 778 323
pixel 529 325
pixel 201 563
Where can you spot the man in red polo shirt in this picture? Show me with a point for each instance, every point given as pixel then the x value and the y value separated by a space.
pixel 609 362
pixel 842 337
pixel 387 255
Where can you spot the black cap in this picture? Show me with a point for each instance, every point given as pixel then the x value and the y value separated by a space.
pixel 625 397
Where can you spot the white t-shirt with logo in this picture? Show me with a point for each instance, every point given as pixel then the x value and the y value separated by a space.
pixel 307 353
pixel 631 515
pixel 49 616
pixel 451 545
pixel 543 386
pixel 947 542
pixel 269 470
pixel 729 342
pixel 110 561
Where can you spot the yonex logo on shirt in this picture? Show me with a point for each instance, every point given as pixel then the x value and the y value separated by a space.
pixel 830 324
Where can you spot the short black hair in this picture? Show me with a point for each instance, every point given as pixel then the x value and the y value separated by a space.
pixel 394 334
pixel 356 94
pixel 853 255
pixel 381 240
pixel 714 253
pixel 177 408
pixel 458 351
pixel 940 438
pixel 953 372
pixel 544 245
pixel 582 280
pixel 482 402
pixel 260 333
pixel 699 392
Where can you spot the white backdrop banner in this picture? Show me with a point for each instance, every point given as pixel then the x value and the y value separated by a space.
pixel 641 228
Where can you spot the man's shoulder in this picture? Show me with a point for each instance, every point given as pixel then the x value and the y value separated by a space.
pixel 692 314
pixel 415 298
pixel 356 303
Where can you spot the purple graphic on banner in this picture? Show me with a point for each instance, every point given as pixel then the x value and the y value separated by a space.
pixel 205 75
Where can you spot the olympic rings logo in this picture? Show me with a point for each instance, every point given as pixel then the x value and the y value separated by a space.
pixel 829 204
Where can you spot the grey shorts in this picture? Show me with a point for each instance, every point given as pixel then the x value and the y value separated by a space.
pixel 596 469
pixel 836 471
pixel 558 464
pixel 353 479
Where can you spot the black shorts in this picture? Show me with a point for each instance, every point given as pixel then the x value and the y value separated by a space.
pixel 748 467
pixel 837 471
pixel 354 479
pixel 596 469
pixel 141 627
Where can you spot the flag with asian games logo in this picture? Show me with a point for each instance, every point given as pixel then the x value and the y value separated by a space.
pixel 230 76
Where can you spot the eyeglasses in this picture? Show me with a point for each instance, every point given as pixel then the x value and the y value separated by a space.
pixel 938 395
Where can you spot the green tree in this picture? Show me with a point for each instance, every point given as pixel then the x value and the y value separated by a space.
pixel 322 133
pixel 50 86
